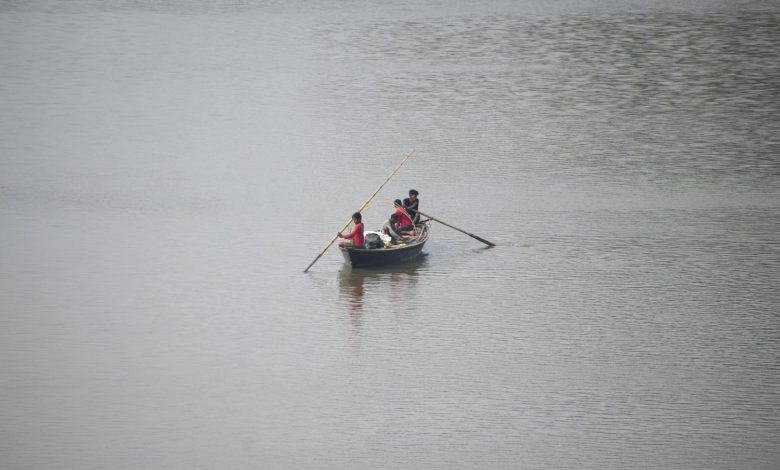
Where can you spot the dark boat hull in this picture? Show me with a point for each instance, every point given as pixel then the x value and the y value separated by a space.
pixel 364 258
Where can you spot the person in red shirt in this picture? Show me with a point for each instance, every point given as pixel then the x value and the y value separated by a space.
pixel 404 225
pixel 355 237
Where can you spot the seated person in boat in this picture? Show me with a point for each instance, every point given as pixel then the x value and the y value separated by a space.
pixel 412 205
pixel 404 225
pixel 389 229
pixel 355 237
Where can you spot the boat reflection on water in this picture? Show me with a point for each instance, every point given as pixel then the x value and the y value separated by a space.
pixel 383 286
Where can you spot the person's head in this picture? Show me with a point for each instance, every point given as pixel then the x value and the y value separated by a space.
pixel 356 217
pixel 413 194
pixel 398 203
pixel 394 218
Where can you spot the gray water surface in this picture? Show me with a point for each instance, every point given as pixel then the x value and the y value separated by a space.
pixel 168 170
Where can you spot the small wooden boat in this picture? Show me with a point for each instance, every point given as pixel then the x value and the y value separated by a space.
pixel 393 254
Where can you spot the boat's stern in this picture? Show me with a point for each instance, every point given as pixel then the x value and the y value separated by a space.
pixel 345 252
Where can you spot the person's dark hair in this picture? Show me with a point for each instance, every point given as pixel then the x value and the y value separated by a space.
pixel 357 216
pixel 394 217
pixel 398 202
pixel 413 191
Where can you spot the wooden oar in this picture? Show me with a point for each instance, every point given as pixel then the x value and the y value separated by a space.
pixel 359 210
pixel 456 228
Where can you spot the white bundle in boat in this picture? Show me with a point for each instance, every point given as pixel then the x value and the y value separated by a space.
pixel 385 238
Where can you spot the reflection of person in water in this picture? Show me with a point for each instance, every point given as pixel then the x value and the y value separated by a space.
pixel 393 282
pixel 356 297
pixel 352 289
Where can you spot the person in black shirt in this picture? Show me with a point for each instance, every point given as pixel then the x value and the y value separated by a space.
pixel 412 205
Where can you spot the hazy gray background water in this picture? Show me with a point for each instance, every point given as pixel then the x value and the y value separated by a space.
pixel 167 170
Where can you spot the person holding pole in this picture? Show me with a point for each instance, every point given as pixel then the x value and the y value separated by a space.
pixel 412 205
pixel 355 237
pixel 371 198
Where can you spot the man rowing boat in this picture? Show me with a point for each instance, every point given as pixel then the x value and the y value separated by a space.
pixel 355 237
pixel 412 205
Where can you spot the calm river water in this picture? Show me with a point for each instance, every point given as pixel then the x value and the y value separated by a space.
pixel 168 169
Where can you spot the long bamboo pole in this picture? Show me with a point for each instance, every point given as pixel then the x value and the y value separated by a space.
pixel 359 210
pixel 456 228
